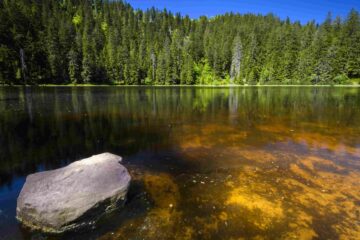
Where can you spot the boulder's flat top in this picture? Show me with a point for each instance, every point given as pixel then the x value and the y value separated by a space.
pixel 58 197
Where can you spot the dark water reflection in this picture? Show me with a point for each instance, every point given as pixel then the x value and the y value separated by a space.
pixel 239 163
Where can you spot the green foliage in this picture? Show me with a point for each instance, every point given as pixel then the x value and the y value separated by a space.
pixel 77 19
pixel 341 79
pixel 104 26
pixel 355 81
pixel 108 42
pixel 204 73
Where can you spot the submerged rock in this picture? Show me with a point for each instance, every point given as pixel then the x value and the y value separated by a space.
pixel 73 196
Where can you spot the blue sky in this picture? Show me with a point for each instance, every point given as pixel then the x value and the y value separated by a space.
pixel 303 10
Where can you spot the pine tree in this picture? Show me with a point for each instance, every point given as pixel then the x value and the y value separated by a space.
pixel 352 35
pixel 74 66
pixel 175 57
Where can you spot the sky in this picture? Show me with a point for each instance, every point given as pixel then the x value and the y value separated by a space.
pixel 302 10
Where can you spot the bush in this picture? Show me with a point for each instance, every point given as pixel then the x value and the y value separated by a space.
pixel 341 79
pixel 148 81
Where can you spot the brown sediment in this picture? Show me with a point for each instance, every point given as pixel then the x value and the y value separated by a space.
pixel 160 220
pixel 328 138
pixel 274 128
pixel 209 135
pixel 251 203
pixel 302 208
pixel 267 211
pixel 253 192
pixel 162 189
pixel 321 141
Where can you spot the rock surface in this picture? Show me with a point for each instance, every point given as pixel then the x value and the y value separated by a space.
pixel 73 196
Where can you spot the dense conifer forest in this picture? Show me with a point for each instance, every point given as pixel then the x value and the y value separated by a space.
pixel 109 42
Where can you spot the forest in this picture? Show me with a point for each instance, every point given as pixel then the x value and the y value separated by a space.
pixel 110 42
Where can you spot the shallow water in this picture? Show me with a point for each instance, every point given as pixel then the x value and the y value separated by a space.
pixel 207 163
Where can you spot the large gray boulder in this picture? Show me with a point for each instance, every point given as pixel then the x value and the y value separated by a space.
pixel 73 196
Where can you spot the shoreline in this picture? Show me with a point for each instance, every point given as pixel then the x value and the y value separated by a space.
pixel 164 86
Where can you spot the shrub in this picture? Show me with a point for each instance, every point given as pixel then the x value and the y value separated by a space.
pixel 341 79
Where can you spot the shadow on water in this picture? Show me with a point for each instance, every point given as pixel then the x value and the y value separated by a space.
pixel 224 163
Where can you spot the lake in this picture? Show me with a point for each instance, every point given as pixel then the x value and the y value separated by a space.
pixel 207 163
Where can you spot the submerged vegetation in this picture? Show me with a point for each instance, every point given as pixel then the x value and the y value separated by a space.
pixel 108 42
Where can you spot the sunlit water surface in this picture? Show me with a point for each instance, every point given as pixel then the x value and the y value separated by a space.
pixel 207 163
